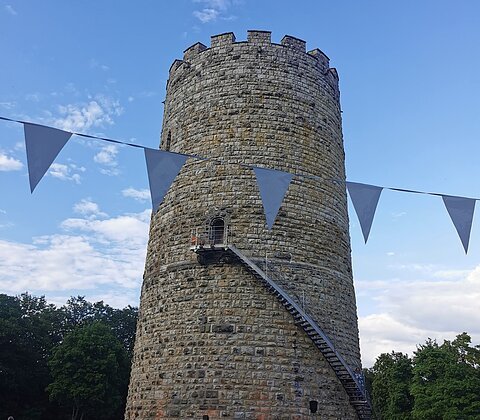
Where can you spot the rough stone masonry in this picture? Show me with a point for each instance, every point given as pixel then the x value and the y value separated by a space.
pixel 211 341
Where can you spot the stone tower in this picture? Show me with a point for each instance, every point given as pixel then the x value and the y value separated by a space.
pixel 238 321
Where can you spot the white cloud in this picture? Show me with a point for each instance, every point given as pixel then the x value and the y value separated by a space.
pixel 92 254
pixel 215 4
pixel 66 172
pixel 8 105
pixel 107 157
pixel 98 112
pixel 88 208
pixel 127 228
pixel 381 333
pixel 214 9
pixel 139 195
pixel 411 311
pixel 61 262
pixel 8 163
pixel 206 15
pixel 110 171
pixel 119 299
pixel 11 10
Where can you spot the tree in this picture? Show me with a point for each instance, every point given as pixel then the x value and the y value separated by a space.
pixel 123 322
pixel 90 371
pixel 28 332
pixel 446 381
pixel 392 375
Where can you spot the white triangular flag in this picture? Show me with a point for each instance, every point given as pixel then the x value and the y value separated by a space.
pixel 461 211
pixel 162 167
pixel 43 144
pixel 273 186
pixel 365 199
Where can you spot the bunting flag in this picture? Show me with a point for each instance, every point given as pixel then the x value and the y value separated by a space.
pixel 273 186
pixel 43 144
pixel 162 167
pixel 461 211
pixel 365 199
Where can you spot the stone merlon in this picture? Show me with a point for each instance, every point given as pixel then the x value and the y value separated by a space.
pixel 195 49
pixel 222 39
pixel 320 56
pixel 259 37
pixel 295 43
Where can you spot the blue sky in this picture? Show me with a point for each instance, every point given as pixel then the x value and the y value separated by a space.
pixel 410 86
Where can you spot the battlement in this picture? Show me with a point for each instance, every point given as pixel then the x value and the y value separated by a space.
pixel 294 43
pixel 320 56
pixel 255 37
pixel 259 37
pixel 175 65
pixel 193 50
pixel 224 41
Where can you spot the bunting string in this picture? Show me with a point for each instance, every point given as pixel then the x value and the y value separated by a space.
pixel 43 143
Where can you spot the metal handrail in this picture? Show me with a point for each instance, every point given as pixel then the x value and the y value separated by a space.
pixel 321 340
pixel 306 317
pixel 276 274
pixel 214 235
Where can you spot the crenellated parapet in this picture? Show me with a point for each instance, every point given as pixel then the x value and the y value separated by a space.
pixel 261 39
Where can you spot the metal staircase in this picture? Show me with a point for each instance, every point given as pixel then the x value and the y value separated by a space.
pixel 353 383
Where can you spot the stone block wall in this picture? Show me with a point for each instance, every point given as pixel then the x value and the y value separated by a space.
pixel 210 341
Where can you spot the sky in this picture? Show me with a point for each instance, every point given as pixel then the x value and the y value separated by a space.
pixel 410 95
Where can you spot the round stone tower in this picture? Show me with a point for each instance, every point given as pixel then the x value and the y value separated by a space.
pixel 236 320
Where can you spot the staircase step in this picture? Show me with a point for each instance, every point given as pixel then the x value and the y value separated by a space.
pixel 357 398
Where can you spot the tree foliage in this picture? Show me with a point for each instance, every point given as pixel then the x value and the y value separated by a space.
pixel 440 382
pixel 446 382
pixel 90 371
pixel 79 312
pixel 30 331
pixel 392 376
pixel 27 336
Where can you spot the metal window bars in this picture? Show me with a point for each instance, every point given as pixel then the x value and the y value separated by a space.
pixel 212 235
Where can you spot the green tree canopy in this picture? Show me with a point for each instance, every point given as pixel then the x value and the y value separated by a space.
pixel 28 331
pixel 446 380
pixel 392 376
pixel 79 312
pixel 90 371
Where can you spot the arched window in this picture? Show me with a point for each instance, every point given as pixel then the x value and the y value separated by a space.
pixel 169 141
pixel 217 230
